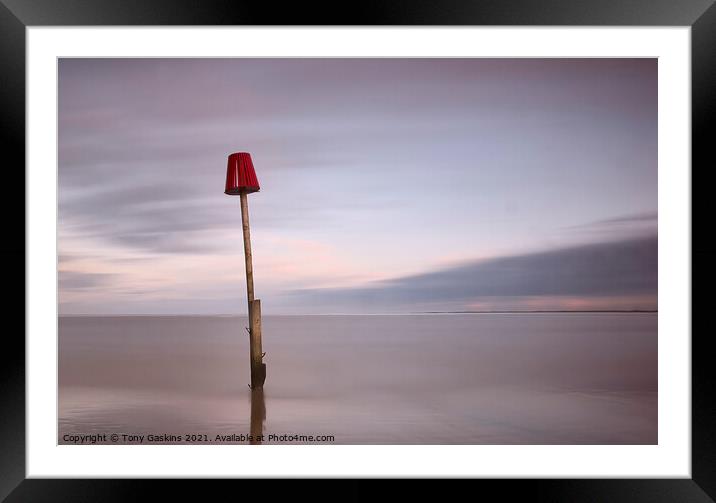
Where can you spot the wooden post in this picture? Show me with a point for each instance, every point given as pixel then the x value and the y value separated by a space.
pixel 247 247
pixel 258 369
pixel 258 415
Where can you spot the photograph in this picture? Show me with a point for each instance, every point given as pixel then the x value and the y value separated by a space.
pixel 371 251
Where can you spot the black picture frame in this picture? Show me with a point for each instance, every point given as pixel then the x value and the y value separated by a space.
pixel 16 15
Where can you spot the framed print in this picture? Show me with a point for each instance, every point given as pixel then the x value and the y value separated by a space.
pixel 424 243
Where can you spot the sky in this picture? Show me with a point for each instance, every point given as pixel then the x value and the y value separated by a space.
pixel 387 185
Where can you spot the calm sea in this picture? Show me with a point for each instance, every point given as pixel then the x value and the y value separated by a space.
pixel 538 378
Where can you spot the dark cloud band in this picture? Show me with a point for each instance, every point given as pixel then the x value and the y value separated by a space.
pixel 615 268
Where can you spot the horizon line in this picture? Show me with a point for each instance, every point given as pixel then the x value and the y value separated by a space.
pixel 207 315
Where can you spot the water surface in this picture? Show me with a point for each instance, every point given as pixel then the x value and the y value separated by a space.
pixel 538 378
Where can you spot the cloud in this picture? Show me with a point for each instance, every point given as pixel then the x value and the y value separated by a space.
pixel 74 280
pixel 620 268
pixel 642 224
pixel 648 217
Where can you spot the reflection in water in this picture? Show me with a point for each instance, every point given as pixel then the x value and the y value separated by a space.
pixel 258 414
